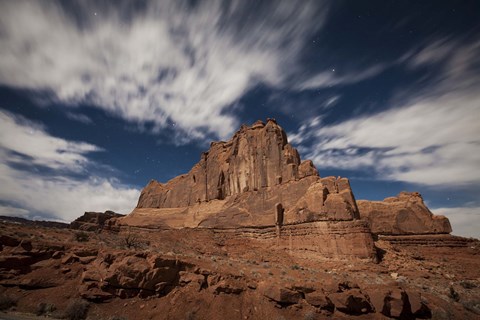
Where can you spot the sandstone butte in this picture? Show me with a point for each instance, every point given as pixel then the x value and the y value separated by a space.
pixel 255 184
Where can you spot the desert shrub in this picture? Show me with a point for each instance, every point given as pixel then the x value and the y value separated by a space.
pixel 6 302
pixel 118 318
pixel 82 236
pixel 295 267
pixel 76 310
pixel 45 308
pixel 131 240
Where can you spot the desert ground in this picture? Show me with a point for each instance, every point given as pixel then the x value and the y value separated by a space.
pixel 206 274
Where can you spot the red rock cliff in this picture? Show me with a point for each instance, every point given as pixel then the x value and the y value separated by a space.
pixel 256 157
pixel 239 182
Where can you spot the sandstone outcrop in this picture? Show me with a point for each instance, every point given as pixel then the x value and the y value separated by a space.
pixel 91 221
pixel 257 185
pixel 256 157
pixel 402 215
pixel 239 182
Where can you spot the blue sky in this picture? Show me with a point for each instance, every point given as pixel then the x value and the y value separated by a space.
pixel 99 97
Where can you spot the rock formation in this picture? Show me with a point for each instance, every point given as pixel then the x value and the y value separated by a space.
pixel 239 182
pixel 92 221
pixel 257 185
pixel 402 215
pixel 256 158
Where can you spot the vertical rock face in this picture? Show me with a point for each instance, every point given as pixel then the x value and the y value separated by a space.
pixel 403 214
pixel 257 157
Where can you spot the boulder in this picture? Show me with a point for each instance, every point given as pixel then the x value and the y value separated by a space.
pixel 319 300
pixel 396 304
pixel 280 294
pixel 352 302
pixel 228 286
pixel 192 279
pixel 129 274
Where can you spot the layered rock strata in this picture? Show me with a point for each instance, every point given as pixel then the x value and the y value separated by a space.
pixel 336 239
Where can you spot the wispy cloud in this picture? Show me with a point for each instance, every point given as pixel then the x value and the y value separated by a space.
pixel 433 138
pixel 79 117
pixel 52 193
pixel 169 61
pixel 335 77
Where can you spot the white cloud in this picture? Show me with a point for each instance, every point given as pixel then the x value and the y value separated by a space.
pixel 465 221
pixel 432 139
pixel 333 77
pixel 169 62
pixel 13 211
pixel 434 52
pixel 53 195
pixel 61 197
pixel 20 138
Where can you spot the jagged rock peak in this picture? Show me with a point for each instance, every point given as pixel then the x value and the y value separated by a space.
pixel 256 157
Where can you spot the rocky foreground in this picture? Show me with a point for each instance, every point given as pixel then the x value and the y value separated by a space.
pixel 204 274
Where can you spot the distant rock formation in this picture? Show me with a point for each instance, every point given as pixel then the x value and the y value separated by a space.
pixel 39 223
pixel 401 215
pixel 92 221
pixel 239 182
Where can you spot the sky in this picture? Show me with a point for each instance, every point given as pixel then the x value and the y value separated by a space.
pixel 99 97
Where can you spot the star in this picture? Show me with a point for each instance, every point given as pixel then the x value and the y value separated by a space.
pixel 333 70
pixel 95 13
